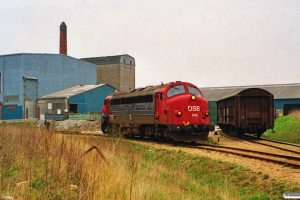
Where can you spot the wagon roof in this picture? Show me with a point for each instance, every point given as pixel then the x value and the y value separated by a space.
pixel 280 91
pixel 242 92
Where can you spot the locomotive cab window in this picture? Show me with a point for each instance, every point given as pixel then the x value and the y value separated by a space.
pixel 194 90
pixel 174 90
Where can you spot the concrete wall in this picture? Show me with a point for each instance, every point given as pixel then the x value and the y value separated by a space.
pixel 120 76
pixel 117 71
pixel 109 74
pixel 127 77
pixel 58 103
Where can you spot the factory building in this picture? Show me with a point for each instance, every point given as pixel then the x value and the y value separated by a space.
pixel 286 97
pixel 76 99
pixel 26 77
pixel 117 71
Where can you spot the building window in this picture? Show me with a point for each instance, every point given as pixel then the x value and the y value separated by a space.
pixel 55 106
pixel 11 98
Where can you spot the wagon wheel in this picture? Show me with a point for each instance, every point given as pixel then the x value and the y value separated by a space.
pixel 240 133
pixel 113 130
pixel 258 134
pixel 163 136
pixel 104 128
pixel 227 130
pixel 142 132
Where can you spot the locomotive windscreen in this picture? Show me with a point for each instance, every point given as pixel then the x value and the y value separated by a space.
pixel 194 90
pixel 178 89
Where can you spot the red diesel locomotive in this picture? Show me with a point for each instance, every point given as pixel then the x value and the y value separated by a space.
pixel 176 111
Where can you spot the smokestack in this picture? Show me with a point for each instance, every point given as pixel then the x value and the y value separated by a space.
pixel 63 39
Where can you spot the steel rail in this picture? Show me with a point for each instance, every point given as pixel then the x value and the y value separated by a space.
pixel 271 157
pixel 276 141
pixel 269 145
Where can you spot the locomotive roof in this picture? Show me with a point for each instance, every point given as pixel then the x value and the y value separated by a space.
pixel 139 91
pixel 280 91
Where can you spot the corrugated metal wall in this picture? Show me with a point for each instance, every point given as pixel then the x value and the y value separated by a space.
pixel 91 101
pixel 12 112
pixel 213 112
pixel 53 71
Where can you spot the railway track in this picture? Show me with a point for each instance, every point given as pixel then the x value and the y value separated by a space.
pixel 275 143
pixel 283 146
pixel 271 157
pixel 287 160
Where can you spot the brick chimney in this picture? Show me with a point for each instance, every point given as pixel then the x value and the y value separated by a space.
pixel 63 39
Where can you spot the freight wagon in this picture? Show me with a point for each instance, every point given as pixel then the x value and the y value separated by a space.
pixel 248 111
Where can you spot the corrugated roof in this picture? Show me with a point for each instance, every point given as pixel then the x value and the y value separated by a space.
pixel 280 91
pixel 106 59
pixel 72 91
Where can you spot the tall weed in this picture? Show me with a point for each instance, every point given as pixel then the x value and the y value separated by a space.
pixel 52 166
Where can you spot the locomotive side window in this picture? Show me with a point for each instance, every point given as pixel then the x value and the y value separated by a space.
pixel 150 106
pixel 115 101
pixel 194 90
pixel 140 106
pixel 131 100
pixel 129 107
pixel 178 89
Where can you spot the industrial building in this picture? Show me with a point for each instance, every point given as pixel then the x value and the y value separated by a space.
pixel 26 77
pixel 117 71
pixel 286 97
pixel 76 99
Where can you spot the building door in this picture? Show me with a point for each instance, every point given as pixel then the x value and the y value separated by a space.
pixel 73 108
pixel 30 97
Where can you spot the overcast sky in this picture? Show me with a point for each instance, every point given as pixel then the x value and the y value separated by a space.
pixel 209 43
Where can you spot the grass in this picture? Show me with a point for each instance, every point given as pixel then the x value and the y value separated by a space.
pixel 286 128
pixel 38 164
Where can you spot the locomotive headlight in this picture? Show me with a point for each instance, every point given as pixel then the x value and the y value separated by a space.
pixel 193 97
pixel 206 114
pixel 177 113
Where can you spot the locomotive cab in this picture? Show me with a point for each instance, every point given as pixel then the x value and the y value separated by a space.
pixel 187 112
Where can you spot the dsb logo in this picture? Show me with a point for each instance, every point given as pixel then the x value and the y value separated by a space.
pixel 193 108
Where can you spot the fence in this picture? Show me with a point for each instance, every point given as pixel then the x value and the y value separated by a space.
pixel 74 116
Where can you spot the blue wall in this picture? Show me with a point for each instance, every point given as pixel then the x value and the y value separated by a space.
pixel 279 103
pixel 12 113
pixel 92 100
pixel 54 72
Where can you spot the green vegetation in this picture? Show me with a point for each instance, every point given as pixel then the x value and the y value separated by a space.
pixel 286 128
pixel 38 164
